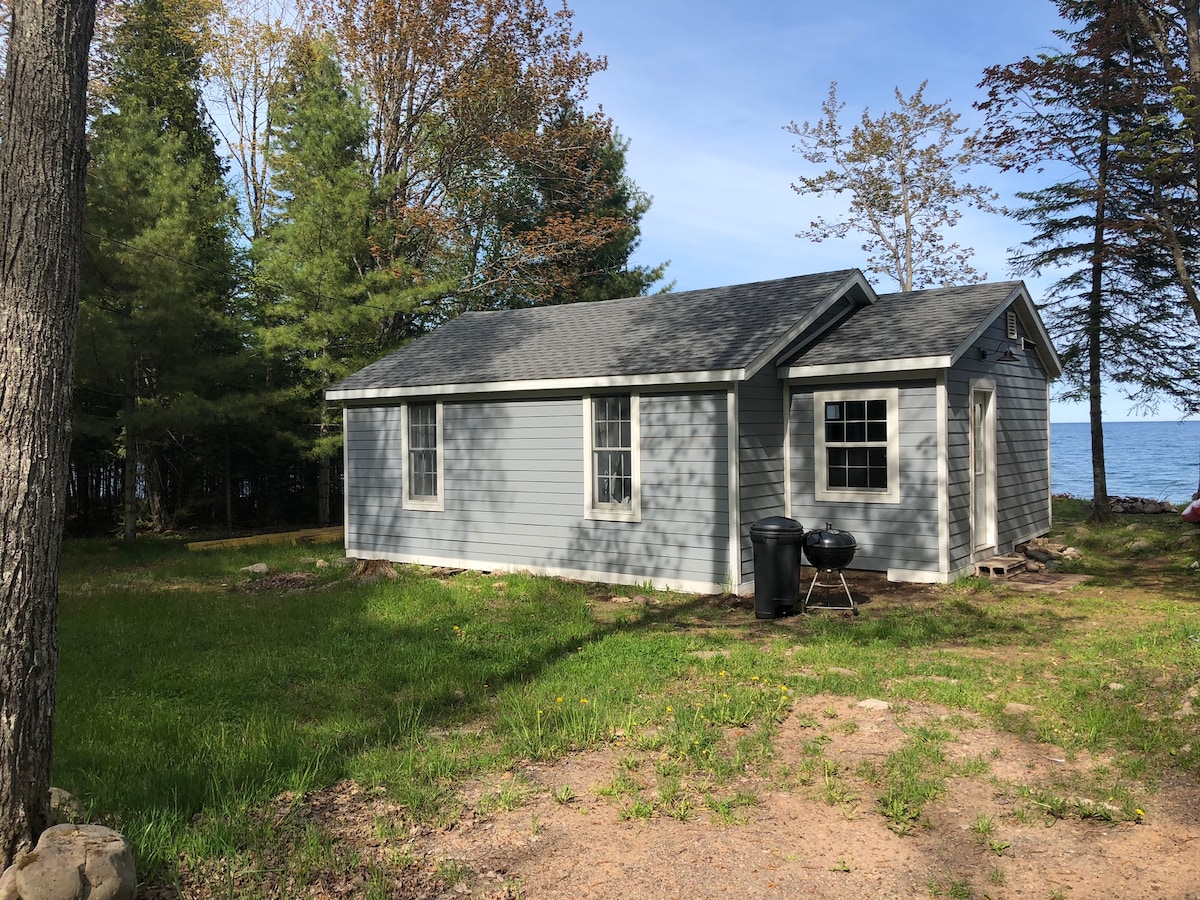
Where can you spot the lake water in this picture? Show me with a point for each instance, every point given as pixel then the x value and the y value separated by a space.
pixel 1159 460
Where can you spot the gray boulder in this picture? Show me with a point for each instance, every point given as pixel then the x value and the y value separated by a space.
pixel 73 862
pixel 256 569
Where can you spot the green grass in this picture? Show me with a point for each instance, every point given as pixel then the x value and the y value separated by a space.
pixel 187 701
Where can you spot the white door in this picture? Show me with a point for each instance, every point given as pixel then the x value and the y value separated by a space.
pixel 983 469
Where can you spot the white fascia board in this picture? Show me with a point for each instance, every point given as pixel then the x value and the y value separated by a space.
pixel 915 367
pixel 781 343
pixel 539 385
pixel 1029 315
pixel 681 585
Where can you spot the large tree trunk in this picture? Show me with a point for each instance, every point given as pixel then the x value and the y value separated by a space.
pixel 42 163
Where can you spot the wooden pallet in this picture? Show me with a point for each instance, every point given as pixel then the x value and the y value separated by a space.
pixel 1000 567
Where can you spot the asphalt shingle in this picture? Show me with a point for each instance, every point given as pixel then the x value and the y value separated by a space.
pixel 705 330
pixel 909 325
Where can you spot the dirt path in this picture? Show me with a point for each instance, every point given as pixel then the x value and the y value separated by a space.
pixel 794 843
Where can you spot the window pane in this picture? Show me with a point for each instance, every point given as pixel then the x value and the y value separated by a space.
pixel 856 478
pixel 856 456
pixel 612 457
pixel 856 410
pixel 837 477
pixel 422 450
pixel 856 432
pixel 877 410
pixel 833 411
pixel 877 432
pixel 877 478
pixel 835 433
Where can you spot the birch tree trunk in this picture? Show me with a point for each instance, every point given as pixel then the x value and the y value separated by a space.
pixel 42 163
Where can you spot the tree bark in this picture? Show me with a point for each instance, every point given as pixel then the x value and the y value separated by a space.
pixel 1095 324
pixel 42 164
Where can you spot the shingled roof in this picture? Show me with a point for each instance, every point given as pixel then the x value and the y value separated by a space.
pixel 721 331
pixel 913 324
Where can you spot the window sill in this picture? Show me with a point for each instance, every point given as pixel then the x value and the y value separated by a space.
pixel 613 514
pixel 431 505
pixel 851 495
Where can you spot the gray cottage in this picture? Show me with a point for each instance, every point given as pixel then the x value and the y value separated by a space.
pixel 635 441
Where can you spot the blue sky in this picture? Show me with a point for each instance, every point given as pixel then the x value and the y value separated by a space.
pixel 702 89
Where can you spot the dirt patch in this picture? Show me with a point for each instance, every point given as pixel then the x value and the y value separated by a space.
pixel 796 843
pixel 559 833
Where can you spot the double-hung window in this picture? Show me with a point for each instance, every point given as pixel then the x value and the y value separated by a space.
pixel 856 445
pixel 612 464
pixel 423 456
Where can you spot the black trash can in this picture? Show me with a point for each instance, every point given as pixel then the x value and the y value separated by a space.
pixel 776 565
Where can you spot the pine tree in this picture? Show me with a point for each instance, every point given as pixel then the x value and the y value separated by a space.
pixel 327 302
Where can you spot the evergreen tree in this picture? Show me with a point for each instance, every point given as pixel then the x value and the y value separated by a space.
pixel 1112 304
pixel 161 335
pixel 327 302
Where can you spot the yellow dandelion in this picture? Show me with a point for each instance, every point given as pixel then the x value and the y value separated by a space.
pixel 754 678
pixel 722 673
pixel 726 696
pixel 669 709
pixel 583 699
pixel 558 699
pixel 1139 812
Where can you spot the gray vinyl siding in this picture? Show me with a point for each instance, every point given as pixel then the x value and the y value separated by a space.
pixel 890 536
pixel 513 490
pixel 1022 445
pixel 760 457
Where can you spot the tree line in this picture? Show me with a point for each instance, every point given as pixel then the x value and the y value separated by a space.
pixel 273 202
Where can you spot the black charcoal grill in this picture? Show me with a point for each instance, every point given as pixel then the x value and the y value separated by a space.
pixel 829 551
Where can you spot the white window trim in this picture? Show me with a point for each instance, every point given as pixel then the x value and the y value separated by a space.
pixel 821 489
pixel 430 504
pixel 613 512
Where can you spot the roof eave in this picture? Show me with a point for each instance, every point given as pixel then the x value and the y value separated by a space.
pixel 537 386
pixel 912 364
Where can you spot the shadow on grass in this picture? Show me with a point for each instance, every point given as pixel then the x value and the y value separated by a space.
pixel 178 706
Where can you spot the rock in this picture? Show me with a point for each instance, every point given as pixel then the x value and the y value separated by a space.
pixel 871 703
pixel 256 569
pixel 321 564
pixel 1039 555
pixel 1017 709
pixel 1072 553
pixel 1116 686
pixel 1167 506
pixel 73 862
pixel 1034 566
pixel 622 599
pixel 65 807
pixel 344 561
pixel 641 600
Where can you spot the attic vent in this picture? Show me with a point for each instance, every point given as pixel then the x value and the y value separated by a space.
pixel 1010 321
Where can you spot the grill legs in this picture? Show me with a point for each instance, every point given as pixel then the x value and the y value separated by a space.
pixel 823 578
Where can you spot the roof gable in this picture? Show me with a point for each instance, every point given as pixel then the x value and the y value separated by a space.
pixel 715 334
pixel 921 330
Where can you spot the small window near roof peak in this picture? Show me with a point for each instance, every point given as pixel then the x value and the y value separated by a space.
pixel 1010 321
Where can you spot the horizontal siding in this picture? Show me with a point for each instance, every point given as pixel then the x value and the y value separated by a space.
pixel 513 490
pixel 760 458
pixel 1022 446
pixel 890 536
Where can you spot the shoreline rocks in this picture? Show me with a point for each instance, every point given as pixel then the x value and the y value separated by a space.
pixel 1145 506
